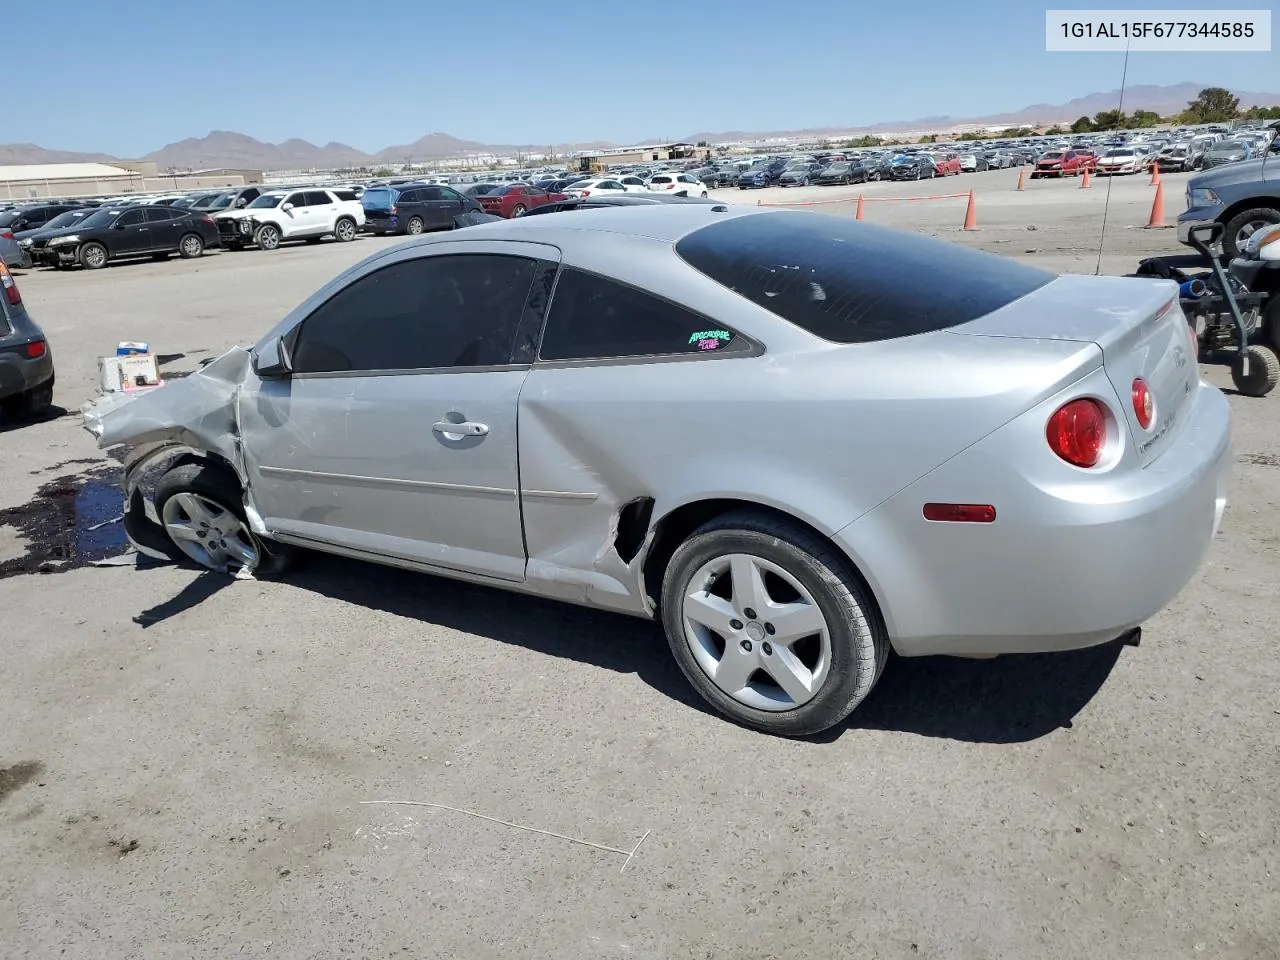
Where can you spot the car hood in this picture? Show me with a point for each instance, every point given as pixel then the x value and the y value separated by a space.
pixel 1245 171
pixel 241 214
pixel 60 232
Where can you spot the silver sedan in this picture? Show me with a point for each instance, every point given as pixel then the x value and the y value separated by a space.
pixel 797 441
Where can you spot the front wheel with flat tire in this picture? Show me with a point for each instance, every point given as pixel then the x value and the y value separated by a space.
pixel 93 256
pixel 201 508
pixel 1263 375
pixel 344 231
pixel 771 624
pixel 191 246
pixel 267 237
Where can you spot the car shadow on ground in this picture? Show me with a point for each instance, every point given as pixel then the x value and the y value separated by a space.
pixel 17 423
pixel 1010 699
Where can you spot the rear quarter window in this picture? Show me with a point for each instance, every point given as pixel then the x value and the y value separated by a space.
pixel 852 282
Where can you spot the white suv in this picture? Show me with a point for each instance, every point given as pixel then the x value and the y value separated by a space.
pixel 292 215
pixel 682 184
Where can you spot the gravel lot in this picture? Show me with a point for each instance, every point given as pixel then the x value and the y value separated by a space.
pixel 183 757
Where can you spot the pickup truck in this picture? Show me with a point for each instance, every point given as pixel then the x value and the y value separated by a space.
pixel 282 215
pixel 1244 197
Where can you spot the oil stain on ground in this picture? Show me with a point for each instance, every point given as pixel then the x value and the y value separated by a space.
pixel 18 776
pixel 68 524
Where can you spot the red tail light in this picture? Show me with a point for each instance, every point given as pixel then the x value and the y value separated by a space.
pixel 1077 432
pixel 586 193
pixel 6 235
pixel 36 349
pixel 10 286
pixel 394 211
pixel 206 219
pixel 1144 405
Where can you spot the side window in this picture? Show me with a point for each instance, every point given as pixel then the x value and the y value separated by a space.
pixel 409 196
pixel 446 193
pixel 594 318
pixel 159 214
pixel 430 193
pixel 454 310
pixel 318 198
pixel 297 199
pixel 132 218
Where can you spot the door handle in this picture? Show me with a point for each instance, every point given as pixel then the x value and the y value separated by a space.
pixel 466 428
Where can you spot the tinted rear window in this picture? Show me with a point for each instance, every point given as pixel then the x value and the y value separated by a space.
pixel 379 198
pixel 852 282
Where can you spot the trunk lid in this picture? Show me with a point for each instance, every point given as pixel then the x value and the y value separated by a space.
pixel 1141 330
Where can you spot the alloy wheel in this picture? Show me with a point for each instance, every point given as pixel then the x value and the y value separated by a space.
pixel 756 632
pixel 208 533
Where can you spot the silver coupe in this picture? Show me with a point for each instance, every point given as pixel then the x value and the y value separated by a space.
pixel 798 441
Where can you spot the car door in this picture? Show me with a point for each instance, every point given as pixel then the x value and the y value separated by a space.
pixel 395 434
pixel 295 221
pixel 454 202
pixel 163 227
pixel 322 210
pixel 131 233
pixel 435 209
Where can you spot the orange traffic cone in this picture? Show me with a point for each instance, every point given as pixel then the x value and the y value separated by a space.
pixel 1084 183
pixel 858 215
pixel 1155 175
pixel 1157 208
pixel 1022 179
pixel 971 215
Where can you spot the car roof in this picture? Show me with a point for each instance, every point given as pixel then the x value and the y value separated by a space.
pixel 658 221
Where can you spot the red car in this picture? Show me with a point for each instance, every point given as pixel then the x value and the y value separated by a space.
pixel 1064 163
pixel 517 200
pixel 948 164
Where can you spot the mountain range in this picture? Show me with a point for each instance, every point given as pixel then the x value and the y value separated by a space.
pixel 223 148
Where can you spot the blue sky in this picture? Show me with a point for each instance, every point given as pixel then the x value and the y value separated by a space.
pixel 126 78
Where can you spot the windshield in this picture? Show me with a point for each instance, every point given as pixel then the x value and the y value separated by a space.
pixel 1052 155
pixel 223 200
pixel 1228 146
pixel 266 201
pixel 1120 154
pixel 101 218
pixel 66 219
pixel 7 218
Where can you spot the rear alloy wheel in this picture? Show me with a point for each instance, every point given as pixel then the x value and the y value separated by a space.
pixel 414 226
pixel 93 256
pixel 770 624
pixel 518 210
pixel 268 237
pixel 191 246
pixel 1263 375
pixel 344 231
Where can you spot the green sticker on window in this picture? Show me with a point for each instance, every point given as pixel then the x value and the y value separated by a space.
pixel 713 336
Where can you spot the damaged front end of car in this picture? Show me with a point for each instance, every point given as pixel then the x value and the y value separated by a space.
pixel 194 416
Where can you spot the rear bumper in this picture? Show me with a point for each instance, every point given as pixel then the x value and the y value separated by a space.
pixel 1069 562
pixel 374 224
pixel 18 374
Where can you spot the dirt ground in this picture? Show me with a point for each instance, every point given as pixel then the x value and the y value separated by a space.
pixel 185 759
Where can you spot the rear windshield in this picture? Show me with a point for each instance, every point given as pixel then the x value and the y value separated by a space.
pixel 661 178
pixel 379 198
pixel 852 282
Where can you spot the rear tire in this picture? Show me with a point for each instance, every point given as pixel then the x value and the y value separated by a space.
pixel 413 227
pixel 837 664
pixel 1264 372
pixel 29 404
pixel 344 230
pixel 519 210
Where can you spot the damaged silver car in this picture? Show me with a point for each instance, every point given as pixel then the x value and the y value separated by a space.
pixel 797 441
